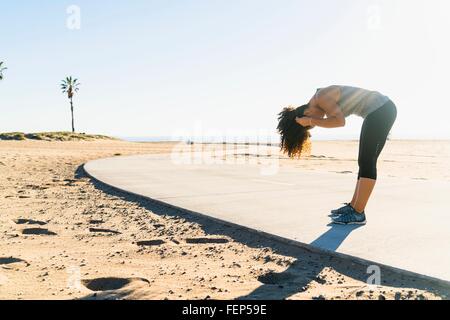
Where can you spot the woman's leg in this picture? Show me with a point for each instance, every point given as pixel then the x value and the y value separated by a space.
pixel 374 134
pixel 365 188
pixel 361 147
pixel 367 151
pixel 355 194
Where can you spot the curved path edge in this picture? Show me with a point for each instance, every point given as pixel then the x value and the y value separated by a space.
pixel 270 236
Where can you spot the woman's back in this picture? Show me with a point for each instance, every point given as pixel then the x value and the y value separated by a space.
pixel 360 102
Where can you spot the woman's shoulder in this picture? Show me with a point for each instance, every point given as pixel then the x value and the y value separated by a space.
pixel 330 91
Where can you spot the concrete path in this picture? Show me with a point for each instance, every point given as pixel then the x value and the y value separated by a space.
pixel 408 221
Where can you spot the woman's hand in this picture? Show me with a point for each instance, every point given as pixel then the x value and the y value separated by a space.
pixel 304 122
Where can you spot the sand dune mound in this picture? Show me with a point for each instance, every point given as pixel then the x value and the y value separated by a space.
pixel 52 136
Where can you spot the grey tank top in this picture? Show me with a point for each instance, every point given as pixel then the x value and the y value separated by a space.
pixel 360 102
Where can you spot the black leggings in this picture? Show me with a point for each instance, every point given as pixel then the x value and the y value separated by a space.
pixel 374 133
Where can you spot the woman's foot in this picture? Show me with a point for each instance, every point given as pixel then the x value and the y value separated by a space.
pixel 338 212
pixel 350 217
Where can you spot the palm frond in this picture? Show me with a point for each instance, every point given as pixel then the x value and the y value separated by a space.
pixel 69 86
pixel 2 69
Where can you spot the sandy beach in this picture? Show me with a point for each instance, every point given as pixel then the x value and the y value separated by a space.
pixel 64 236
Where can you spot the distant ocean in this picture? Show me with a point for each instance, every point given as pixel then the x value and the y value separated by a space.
pixel 238 139
pixel 267 139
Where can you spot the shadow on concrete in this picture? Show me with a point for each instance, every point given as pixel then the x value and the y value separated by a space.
pixel 308 265
pixel 334 238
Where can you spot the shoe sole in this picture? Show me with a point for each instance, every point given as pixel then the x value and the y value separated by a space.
pixel 351 223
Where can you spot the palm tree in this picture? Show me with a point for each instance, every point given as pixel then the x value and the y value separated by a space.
pixel 70 86
pixel 2 68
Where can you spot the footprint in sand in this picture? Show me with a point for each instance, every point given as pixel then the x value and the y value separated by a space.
pixel 109 284
pixel 343 172
pixel 34 187
pixel 206 241
pixel 9 263
pixel 10 260
pixel 95 221
pixel 30 222
pixel 98 230
pixel 38 232
pixel 150 243
pixel 273 278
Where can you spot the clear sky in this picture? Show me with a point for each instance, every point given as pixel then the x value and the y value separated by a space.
pixel 159 67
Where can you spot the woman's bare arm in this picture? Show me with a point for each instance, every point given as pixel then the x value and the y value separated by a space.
pixel 327 100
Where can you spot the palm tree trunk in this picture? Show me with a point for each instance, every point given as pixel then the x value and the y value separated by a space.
pixel 73 122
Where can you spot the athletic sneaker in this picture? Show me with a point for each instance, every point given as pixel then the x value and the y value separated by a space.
pixel 338 212
pixel 350 217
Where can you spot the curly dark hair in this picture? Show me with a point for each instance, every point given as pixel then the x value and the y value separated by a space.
pixel 295 139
